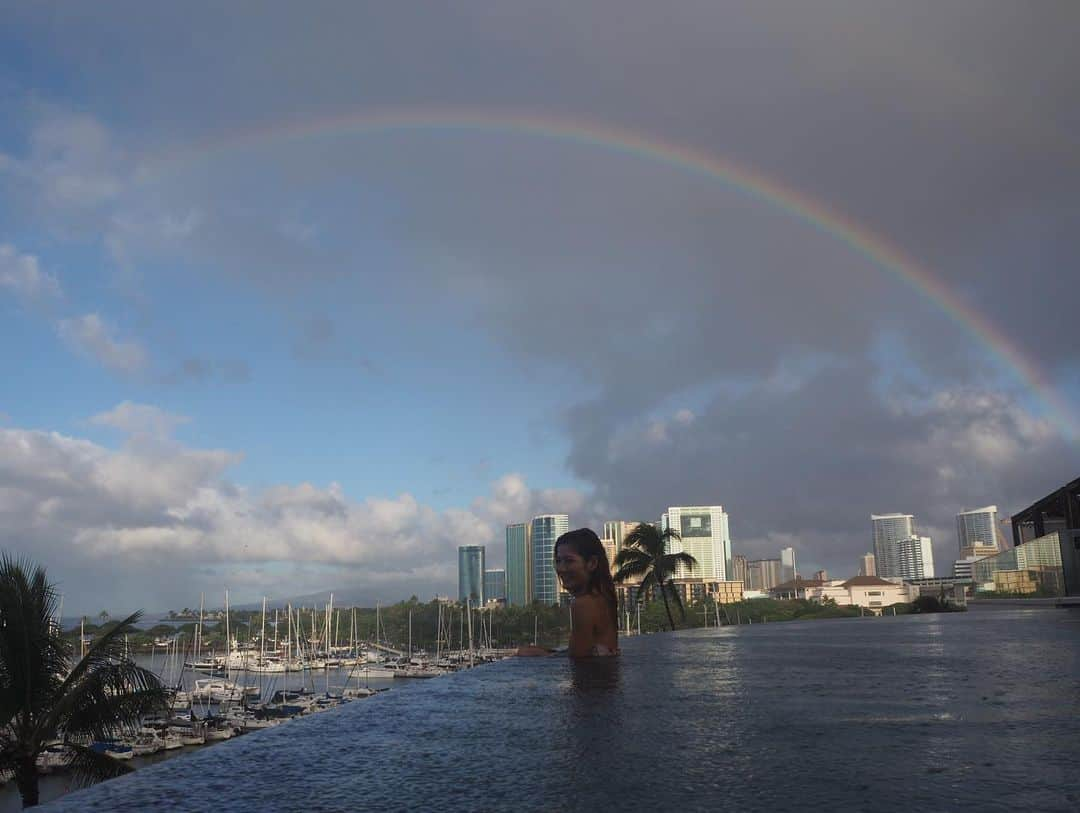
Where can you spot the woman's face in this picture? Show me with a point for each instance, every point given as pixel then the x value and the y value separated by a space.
pixel 573 569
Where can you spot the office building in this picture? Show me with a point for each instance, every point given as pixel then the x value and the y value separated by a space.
pixel 494 585
pixel 762 574
pixel 787 564
pixel 867 566
pixel 738 568
pixel 518 565
pixel 704 532
pixel 471 574
pixel 821 575
pixel 546 528
pixel 979 526
pixel 898 550
pixel 1058 511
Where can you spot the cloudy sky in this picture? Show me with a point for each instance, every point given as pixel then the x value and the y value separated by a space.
pixel 291 300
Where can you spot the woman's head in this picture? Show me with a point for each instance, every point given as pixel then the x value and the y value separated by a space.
pixel 582 565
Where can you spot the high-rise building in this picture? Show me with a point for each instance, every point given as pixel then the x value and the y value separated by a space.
pixel 867 566
pixel 518 565
pixel 821 575
pixel 613 536
pixel 762 574
pixel 787 564
pixel 738 568
pixel 494 585
pixel 888 528
pixel 546 528
pixel 978 526
pixel 898 550
pixel 704 532
pixel 470 563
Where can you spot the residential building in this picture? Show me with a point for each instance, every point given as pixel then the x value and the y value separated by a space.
pixel 1058 511
pixel 867 566
pixel 494 585
pixel 738 568
pixel 787 564
pixel 704 532
pixel 821 575
pixel 978 526
pixel 518 565
pixel 870 592
pixel 471 574
pixel 898 550
pixel 546 528
pixel 762 574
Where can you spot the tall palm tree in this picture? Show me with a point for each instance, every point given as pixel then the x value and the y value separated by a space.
pixel 645 554
pixel 41 701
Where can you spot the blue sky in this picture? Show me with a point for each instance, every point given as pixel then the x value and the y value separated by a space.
pixel 324 362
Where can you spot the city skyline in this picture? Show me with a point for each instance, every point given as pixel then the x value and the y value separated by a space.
pixel 309 323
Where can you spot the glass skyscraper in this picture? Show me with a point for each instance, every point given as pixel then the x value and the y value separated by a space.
pixel 518 565
pixel 494 585
pixel 977 527
pixel 545 530
pixel 470 564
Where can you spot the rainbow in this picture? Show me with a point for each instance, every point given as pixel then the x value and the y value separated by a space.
pixel 874 248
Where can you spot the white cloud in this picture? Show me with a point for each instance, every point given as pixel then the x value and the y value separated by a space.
pixel 156 512
pixel 72 161
pixel 140 419
pixel 89 334
pixel 22 275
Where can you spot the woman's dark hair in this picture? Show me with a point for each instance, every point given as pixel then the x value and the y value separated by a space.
pixel 587 545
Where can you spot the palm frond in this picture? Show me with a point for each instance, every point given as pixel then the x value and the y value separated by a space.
pixel 88 766
pixel 110 701
pixel 33 653
pixel 98 684
pixel 637 567
pixel 669 563
pixel 631 555
pixel 646 538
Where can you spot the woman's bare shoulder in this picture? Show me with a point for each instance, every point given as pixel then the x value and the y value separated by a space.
pixel 590 607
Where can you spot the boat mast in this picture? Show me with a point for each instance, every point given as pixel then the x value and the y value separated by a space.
pixel 198 630
pixel 468 610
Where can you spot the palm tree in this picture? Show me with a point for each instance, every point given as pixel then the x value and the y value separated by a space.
pixel 41 701
pixel 644 553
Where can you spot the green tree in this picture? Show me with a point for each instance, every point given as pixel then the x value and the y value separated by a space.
pixel 645 554
pixel 102 696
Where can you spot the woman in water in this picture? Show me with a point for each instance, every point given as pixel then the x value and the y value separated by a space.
pixel 582 566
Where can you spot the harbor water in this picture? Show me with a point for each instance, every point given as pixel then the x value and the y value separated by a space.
pixel 966 711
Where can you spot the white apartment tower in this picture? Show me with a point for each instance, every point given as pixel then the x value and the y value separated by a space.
pixel 787 564
pixel 898 550
pixel 705 536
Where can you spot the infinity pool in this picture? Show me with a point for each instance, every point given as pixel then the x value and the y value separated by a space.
pixel 971 711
